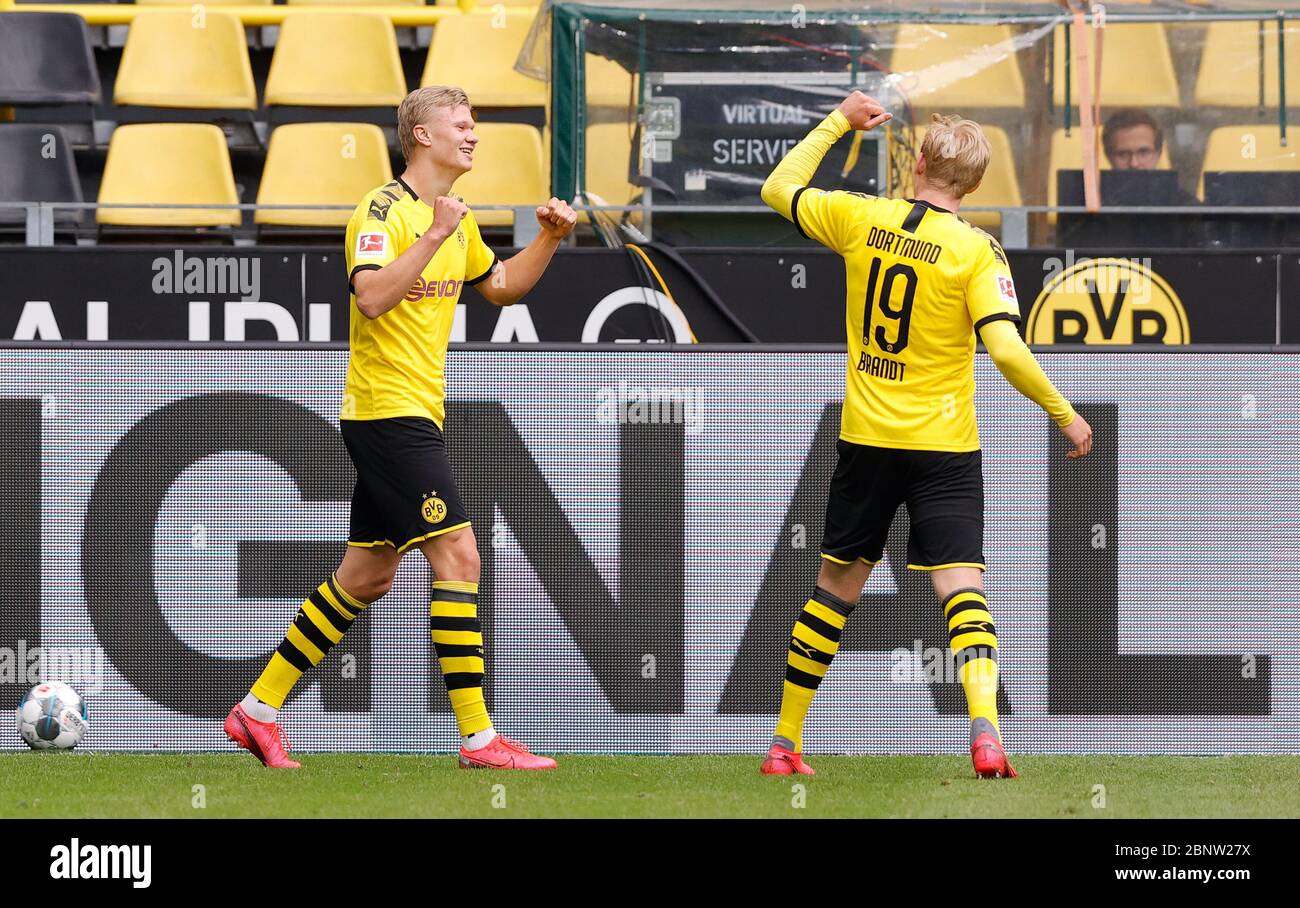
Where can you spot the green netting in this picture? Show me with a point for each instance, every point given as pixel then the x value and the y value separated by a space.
pixel 1216 79
pixel 898 10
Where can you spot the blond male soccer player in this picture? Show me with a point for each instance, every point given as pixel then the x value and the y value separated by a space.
pixel 921 284
pixel 411 247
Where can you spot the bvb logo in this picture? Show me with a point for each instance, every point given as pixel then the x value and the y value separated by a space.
pixel 1107 301
pixel 433 510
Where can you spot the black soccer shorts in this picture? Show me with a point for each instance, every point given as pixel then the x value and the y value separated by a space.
pixel 405 492
pixel 944 494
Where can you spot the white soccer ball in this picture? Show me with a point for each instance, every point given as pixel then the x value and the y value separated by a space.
pixel 52 716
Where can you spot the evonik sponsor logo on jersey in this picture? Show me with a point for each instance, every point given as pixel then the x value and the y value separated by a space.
pixel 422 289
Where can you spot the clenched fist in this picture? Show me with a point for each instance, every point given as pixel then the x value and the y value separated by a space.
pixel 863 111
pixel 448 212
pixel 557 218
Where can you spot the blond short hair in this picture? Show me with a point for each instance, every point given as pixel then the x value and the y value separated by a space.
pixel 956 153
pixel 417 106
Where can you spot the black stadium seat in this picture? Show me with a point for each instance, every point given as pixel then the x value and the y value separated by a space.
pixel 46 61
pixel 38 167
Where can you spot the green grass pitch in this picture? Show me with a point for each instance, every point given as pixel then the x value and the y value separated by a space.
pixel 119 785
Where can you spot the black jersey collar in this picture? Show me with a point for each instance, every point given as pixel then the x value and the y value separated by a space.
pixel 929 205
pixel 408 189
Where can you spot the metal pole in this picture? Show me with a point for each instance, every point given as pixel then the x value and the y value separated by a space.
pixel 1067 78
pixel 1281 75
pixel 33 225
pixel 526 227
pixel 46 215
pixel 1015 228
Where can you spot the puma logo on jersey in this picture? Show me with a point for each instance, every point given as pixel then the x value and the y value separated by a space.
pixel 997 252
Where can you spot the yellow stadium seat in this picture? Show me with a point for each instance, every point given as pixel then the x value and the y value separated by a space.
pixel 336 59
pixel 1229 73
pixel 168 62
pixel 469 52
pixel 1137 69
pixel 1249 148
pixel 321 164
pixel 189 3
pixel 178 163
pixel 957 66
pixel 609 150
pixel 355 2
pixel 1000 186
pixel 608 84
pixel 509 169
pixel 1067 154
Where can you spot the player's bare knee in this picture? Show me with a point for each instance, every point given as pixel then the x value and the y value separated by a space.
pixel 947 580
pixel 454 556
pixel 366 573
pixel 462 566
pixel 464 563
pixel 368 587
pixel 377 588
pixel 844 580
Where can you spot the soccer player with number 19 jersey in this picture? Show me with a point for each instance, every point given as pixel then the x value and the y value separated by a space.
pixel 922 283
pixel 411 247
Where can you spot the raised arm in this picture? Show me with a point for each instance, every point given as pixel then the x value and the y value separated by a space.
pixel 514 277
pixel 858 111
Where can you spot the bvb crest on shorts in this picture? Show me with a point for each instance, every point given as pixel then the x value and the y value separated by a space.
pixel 433 509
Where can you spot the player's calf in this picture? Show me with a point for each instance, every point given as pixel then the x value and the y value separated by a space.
pixel 973 640
pixel 813 643
pixel 322 620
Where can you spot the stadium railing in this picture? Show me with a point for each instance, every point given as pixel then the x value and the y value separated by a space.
pixel 40 216
pixel 40 221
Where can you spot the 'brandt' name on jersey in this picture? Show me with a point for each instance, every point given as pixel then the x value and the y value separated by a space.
pixel 880 367
pixel 906 247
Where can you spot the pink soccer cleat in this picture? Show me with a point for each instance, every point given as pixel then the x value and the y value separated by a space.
pixel 990 759
pixel 265 740
pixel 503 753
pixel 783 762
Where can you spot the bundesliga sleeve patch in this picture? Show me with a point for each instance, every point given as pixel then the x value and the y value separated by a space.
pixel 1007 289
pixel 372 244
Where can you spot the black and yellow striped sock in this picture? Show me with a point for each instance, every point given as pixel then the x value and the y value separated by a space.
pixel 974 645
pixel 320 623
pixel 813 643
pixel 458 641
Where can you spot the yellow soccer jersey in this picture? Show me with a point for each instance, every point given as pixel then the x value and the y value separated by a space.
pixel 921 282
pixel 396 366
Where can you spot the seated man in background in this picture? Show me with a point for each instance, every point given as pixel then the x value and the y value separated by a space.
pixel 1132 140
